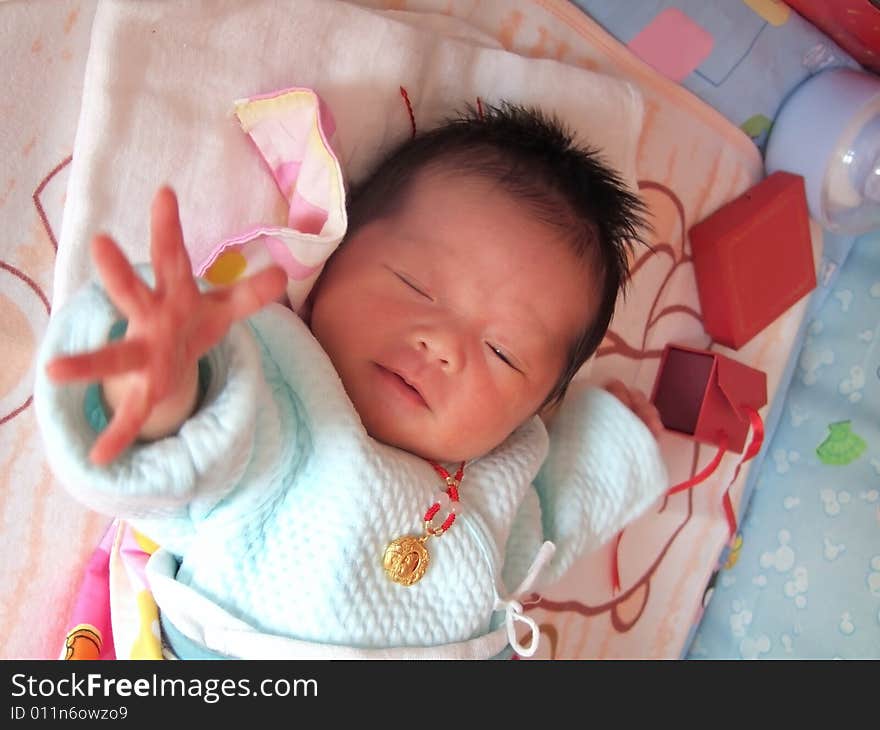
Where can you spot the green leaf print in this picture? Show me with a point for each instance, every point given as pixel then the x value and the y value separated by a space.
pixel 756 125
pixel 842 445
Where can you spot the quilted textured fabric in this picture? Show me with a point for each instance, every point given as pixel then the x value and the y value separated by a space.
pixel 278 506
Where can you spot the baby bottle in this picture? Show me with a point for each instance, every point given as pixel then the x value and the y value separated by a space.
pixel 828 131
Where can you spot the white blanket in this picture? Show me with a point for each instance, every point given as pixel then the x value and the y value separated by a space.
pixel 162 77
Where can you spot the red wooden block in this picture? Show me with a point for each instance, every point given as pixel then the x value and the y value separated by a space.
pixel 753 259
pixel 703 395
pixel 853 24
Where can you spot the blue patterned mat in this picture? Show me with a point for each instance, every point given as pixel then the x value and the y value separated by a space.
pixel 805 583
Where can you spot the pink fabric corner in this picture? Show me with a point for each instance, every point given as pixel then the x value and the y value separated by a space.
pixel 673 44
pixel 285 176
pixel 281 255
pixel 304 216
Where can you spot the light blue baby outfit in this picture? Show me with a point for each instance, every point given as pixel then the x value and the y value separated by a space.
pixel 273 506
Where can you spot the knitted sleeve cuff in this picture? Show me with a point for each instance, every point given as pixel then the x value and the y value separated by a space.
pixel 604 469
pixel 163 478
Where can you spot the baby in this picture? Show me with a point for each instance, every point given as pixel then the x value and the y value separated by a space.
pixel 372 479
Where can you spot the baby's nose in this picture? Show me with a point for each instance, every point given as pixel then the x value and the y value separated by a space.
pixel 442 347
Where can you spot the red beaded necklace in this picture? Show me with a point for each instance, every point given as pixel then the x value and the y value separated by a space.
pixel 406 558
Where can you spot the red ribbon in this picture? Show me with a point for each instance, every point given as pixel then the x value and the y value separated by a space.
pixel 753 448
pixel 706 472
pixel 757 426
pixel 615 567
pixel 409 110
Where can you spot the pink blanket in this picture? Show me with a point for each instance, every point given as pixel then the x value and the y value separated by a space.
pixel 690 162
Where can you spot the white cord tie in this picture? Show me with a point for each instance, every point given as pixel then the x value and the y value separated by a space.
pixel 514 612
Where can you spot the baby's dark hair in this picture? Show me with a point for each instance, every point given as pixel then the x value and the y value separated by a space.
pixel 534 158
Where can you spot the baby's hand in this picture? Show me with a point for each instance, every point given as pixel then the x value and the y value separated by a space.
pixel 638 403
pixel 150 377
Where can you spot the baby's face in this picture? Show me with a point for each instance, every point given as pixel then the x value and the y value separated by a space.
pixel 450 321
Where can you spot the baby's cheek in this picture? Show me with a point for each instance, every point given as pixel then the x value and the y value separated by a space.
pixel 492 415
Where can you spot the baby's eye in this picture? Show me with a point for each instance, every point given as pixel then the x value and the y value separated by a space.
pixel 499 353
pixel 412 285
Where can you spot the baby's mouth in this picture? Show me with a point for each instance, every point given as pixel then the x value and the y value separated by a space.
pixel 405 385
pixel 412 387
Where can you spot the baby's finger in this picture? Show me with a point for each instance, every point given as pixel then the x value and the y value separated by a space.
pixel 651 418
pixel 123 428
pixel 232 303
pixel 639 400
pixel 124 287
pixel 167 250
pixel 250 295
pixel 620 391
pixel 114 359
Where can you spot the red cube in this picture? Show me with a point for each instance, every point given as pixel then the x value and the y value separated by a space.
pixel 753 259
pixel 705 396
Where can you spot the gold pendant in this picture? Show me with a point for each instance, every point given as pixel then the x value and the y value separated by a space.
pixel 406 559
